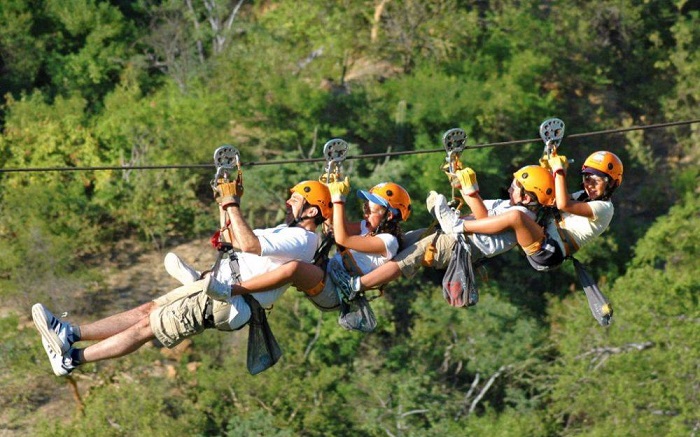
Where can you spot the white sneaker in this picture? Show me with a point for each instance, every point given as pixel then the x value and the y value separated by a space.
pixel 61 364
pixel 448 218
pixel 179 269
pixel 430 202
pixel 59 335
pixel 216 289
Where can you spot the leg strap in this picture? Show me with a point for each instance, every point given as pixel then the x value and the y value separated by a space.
pixel 533 248
pixel 315 290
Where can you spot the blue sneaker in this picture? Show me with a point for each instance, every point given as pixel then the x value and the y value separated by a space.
pixel 58 334
pixel 62 365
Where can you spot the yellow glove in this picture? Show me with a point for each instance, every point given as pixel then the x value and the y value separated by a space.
pixel 339 190
pixel 229 193
pixel 544 163
pixel 467 181
pixel 558 163
pixel 454 182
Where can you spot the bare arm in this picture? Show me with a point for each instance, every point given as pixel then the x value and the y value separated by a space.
pixel 565 202
pixel 342 237
pixel 476 205
pixel 246 240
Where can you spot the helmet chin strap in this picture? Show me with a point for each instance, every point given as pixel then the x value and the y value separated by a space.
pixel 296 220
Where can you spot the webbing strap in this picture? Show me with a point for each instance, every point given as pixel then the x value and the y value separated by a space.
pixel 351 266
pixel 570 246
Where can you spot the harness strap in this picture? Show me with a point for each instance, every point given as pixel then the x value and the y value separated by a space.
pixel 430 251
pixel 349 262
pixel 570 246
pixel 351 266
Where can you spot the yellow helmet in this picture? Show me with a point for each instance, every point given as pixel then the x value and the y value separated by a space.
pixel 538 180
pixel 317 194
pixel 603 163
pixel 389 195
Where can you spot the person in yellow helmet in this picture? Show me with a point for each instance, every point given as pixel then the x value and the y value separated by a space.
pixel 364 246
pixel 441 245
pixel 189 310
pixel 580 218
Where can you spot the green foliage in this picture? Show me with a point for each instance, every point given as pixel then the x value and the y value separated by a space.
pixel 91 83
pixel 640 375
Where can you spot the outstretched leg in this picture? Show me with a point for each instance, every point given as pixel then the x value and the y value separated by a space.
pixel 527 231
pixel 302 275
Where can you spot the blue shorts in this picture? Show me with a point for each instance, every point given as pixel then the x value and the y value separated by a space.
pixel 549 257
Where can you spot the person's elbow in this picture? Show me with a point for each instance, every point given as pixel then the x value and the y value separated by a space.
pixel 252 247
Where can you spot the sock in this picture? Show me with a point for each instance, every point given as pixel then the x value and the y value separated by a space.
pixel 77 356
pixel 76 333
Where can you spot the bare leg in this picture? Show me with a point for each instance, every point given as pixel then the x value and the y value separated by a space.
pixel 303 276
pixel 115 324
pixel 381 275
pixel 123 343
pixel 527 231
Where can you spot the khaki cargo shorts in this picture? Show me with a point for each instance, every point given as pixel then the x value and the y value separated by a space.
pixel 411 258
pixel 180 314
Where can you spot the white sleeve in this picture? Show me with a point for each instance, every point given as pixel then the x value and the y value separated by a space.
pixel 391 243
pixel 291 243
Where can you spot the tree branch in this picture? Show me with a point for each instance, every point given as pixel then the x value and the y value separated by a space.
pixel 316 336
pixel 486 387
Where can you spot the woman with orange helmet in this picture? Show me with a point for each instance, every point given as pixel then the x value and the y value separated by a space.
pixel 576 221
pixel 587 213
pixel 364 245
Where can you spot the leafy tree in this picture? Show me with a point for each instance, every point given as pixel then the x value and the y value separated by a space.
pixel 638 376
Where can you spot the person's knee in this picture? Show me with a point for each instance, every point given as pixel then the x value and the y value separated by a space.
pixel 517 219
pixel 147 308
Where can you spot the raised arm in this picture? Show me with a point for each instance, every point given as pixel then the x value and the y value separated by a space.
pixel 564 202
pixel 465 180
pixel 347 234
pixel 236 230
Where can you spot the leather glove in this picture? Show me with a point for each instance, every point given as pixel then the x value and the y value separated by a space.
pixel 229 193
pixel 467 181
pixel 339 190
pixel 558 163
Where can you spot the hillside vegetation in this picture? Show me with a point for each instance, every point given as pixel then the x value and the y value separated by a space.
pixel 90 83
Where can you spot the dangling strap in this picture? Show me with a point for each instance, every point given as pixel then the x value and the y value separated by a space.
pixel 430 251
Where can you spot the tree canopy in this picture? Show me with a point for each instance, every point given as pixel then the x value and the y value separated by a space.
pixel 90 83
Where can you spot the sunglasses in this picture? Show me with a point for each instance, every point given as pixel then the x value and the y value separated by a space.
pixel 591 178
pixel 368 211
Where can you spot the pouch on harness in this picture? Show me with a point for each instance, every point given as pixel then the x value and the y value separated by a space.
pixel 458 284
pixel 263 350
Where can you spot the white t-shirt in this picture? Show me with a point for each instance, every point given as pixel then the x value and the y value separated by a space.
pixel 327 299
pixel 279 245
pixel 583 229
pixel 491 245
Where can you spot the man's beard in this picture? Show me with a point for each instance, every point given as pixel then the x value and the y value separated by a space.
pixel 289 219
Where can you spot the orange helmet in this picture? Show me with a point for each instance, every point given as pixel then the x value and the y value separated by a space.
pixel 317 194
pixel 603 163
pixel 389 195
pixel 538 180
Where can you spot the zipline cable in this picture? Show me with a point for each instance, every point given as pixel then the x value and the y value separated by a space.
pixel 366 156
